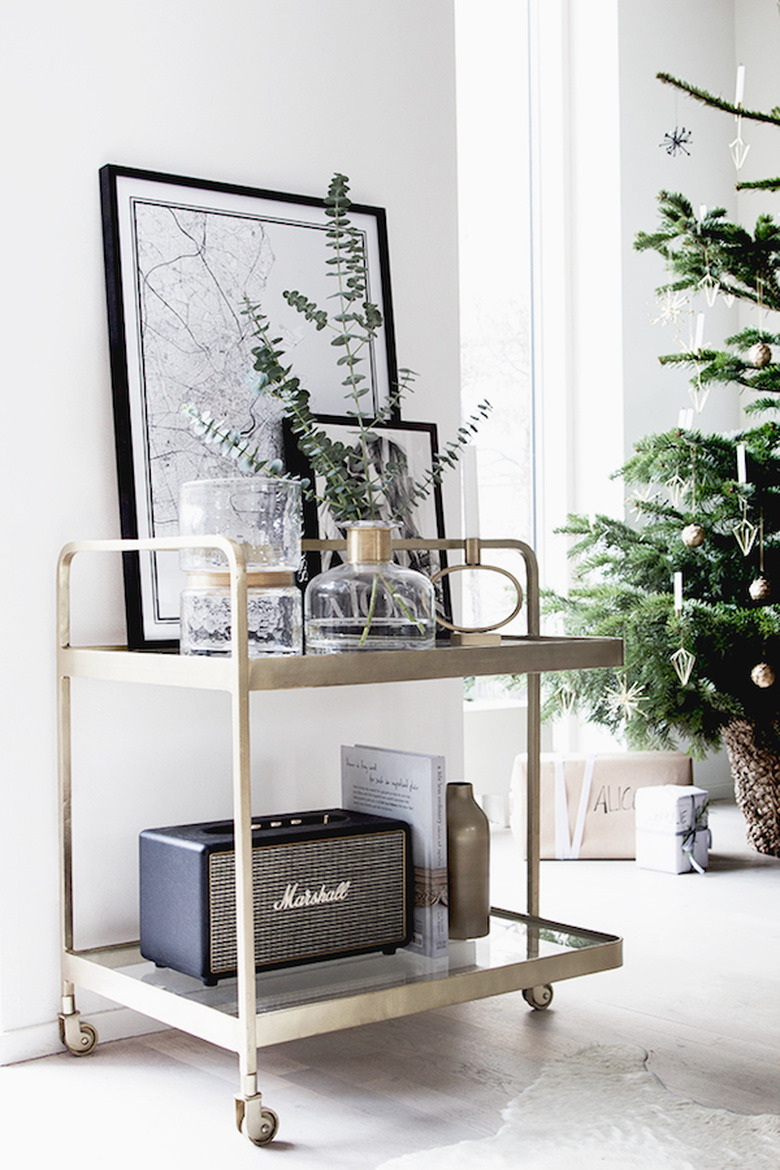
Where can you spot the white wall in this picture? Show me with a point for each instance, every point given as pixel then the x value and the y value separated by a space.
pixel 693 41
pixel 270 93
pixel 758 48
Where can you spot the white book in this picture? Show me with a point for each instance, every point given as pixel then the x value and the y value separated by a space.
pixel 411 787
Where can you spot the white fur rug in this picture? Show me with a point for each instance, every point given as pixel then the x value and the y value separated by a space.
pixel 602 1109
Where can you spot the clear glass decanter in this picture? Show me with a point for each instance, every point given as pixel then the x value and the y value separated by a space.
pixel 369 603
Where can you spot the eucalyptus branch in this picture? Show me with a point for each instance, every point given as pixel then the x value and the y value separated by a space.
pixel 275 380
pixel 355 488
pixel 351 287
pixel 232 444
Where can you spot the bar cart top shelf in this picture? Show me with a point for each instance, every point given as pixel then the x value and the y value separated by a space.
pixel 525 654
pixel 520 655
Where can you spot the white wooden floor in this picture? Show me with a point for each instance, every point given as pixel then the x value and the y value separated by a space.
pixel 700 990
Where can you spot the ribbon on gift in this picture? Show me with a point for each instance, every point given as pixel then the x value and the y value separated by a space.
pixel 568 848
pixel 689 836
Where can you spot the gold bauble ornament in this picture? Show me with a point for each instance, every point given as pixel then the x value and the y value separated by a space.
pixel 763 675
pixel 692 535
pixel 760 355
pixel 760 589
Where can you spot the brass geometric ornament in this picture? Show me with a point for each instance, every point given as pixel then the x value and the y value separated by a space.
pixel 676 486
pixel 682 660
pixel 699 395
pixel 738 148
pixel 745 533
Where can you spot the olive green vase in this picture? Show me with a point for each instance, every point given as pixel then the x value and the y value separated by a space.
pixel 468 864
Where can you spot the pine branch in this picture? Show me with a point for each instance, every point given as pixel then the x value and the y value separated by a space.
pixel 760 185
pixel 718 103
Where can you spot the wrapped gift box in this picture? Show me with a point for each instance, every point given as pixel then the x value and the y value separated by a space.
pixel 587 802
pixel 671 829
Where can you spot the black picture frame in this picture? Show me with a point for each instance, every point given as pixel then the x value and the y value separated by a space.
pixel 418 441
pixel 180 254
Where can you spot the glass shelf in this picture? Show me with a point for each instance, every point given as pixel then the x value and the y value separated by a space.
pixel 519 952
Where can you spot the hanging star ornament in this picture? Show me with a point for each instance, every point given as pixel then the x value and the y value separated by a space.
pixel 671 306
pixel 682 660
pixel 626 700
pixel 679 140
pixel 641 496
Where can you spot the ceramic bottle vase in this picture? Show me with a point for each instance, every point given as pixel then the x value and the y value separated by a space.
pixel 468 864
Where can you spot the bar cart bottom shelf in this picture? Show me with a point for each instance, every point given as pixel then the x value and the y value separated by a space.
pixel 521 953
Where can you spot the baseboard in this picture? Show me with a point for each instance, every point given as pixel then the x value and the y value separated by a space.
pixel 44 1039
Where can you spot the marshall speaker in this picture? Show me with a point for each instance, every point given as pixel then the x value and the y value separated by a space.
pixel 327 884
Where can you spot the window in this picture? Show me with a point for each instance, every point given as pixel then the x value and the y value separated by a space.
pixel 494 180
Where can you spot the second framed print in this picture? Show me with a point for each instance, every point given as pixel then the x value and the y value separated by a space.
pixel 413 445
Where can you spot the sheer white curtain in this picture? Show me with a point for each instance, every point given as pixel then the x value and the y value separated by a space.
pixel 541 239
pixel 494 201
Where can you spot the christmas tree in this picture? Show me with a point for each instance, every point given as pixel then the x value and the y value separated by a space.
pixel 693 584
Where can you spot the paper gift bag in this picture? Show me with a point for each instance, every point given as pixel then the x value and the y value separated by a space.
pixel 587 802
pixel 671 829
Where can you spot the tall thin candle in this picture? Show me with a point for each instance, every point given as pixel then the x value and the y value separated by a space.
pixel 740 90
pixel 468 461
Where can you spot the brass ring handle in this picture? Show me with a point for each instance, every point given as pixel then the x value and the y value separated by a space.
pixel 489 569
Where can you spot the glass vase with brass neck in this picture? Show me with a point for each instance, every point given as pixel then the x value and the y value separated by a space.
pixel 369 603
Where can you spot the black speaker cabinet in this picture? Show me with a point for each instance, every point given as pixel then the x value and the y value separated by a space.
pixel 327 884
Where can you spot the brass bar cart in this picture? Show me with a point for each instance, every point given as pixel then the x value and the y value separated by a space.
pixel 522 952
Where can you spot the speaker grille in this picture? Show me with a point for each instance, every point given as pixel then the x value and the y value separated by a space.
pixel 301 906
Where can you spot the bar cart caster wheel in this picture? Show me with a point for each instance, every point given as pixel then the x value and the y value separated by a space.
pixel 83 1042
pixel 267 1128
pixel 539 997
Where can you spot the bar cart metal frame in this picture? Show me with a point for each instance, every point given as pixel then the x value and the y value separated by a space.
pixel 523 952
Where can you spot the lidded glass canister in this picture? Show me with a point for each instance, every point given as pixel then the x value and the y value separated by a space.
pixel 264 516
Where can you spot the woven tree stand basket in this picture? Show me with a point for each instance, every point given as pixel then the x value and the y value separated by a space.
pixel 754 756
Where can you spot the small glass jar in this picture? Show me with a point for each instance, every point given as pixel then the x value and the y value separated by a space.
pixel 369 603
pixel 264 516
pixel 274 618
